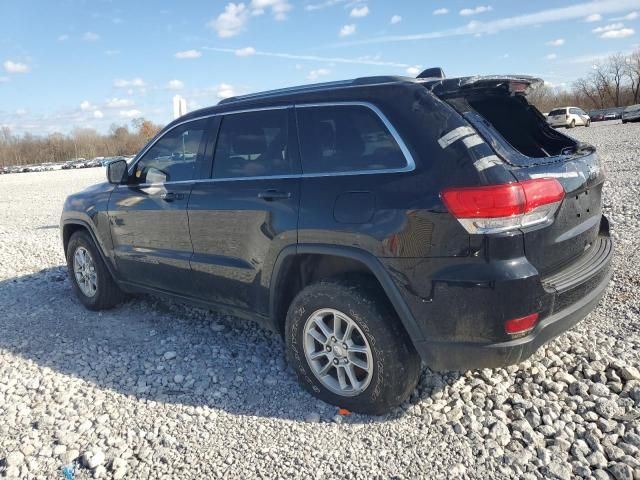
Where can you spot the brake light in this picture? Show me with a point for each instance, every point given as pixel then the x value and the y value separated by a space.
pixel 500 208
pixel 520 325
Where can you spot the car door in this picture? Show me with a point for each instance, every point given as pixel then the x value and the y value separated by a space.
pixel 247 212
pixel 148 216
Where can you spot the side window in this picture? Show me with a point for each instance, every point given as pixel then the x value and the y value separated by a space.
pixel 174 157
pixel 253 144
pixel 574 111
pixel 345 138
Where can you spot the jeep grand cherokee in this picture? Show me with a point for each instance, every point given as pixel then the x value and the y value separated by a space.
pixel 374 223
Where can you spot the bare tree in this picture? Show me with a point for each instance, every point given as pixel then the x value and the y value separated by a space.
pixel 633 74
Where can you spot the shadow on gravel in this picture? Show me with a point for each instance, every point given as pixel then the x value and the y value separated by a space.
pixel 158 350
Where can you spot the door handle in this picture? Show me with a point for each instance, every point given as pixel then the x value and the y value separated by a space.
pixel 271 195
pixel 171 196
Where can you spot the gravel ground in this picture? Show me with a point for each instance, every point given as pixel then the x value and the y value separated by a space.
pixel 154 389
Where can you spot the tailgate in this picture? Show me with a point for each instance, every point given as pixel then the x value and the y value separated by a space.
pixel 521 136
pixel 577 224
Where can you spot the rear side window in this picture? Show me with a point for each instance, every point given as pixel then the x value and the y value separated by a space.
pixel 559 111
pixel 253 144
pixel 174 157
pixel 345 138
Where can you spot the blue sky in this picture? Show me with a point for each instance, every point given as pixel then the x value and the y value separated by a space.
pixel 92 63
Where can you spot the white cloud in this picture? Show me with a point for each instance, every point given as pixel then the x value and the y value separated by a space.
pixel 86 106
pixel 175 85
pixel 631 16
pixel 91 37
pixel 413 71
pixel 111 53
pixel 130 113
pixel 245 52
pixel 359 12
pixel 540 17
pixel 347 30
pixel 4 79
pixel 363 60
pixel 441 11
pixel 395 19
pixel 134 82
pixel 63 37
pixel 15 67
pixel 594 17
pixel 224 90
pixel 622 33
pixel 119 103
pixel 232 21
pixel 606 28
pixel 558 42
pixel 98 114
pixel 320 72
pixel 188 54
pixel 323 5
pixel 551 56
pixel 21 112
pixel 279 8
pixel 465 12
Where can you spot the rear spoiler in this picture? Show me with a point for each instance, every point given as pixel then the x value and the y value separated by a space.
pixel 513 84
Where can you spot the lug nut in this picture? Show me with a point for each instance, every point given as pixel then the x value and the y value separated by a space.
pixel 328 348
pixel 335 361
pixel 333 339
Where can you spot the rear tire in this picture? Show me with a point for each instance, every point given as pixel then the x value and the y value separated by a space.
pixel 393 366
pixel 90 279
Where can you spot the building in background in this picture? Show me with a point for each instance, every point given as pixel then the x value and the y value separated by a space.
pixel 179 106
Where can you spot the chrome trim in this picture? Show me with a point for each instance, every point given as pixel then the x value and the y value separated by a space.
pixel 411 165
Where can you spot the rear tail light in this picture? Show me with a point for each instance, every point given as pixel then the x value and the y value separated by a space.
pixel 509 206
pixel 517 326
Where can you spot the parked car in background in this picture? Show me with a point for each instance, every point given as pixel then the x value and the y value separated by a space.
pixel 568 117
pixel 373 223
pixel 596 115
pixel 631 114
pixel 611 116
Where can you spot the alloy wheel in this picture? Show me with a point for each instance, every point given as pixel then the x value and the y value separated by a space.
pixel 337 352
pixel 85 272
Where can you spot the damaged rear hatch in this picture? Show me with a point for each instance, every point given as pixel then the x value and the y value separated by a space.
pixel 497 108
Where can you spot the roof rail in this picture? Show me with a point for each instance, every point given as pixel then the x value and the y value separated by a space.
pixel 314 87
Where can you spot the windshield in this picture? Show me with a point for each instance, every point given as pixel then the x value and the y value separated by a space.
pixel 559 111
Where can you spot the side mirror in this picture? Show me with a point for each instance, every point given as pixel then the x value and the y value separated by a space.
pixel 117 172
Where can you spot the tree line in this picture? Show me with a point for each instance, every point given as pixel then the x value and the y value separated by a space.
pixel 613 82
pixel 29 149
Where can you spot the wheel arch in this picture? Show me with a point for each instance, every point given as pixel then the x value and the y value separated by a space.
pixel 335 260
pixel 71 226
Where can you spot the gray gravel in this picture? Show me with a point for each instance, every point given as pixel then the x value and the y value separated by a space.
pixel 154 389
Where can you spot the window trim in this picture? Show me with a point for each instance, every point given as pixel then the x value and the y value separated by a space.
pixel 409 167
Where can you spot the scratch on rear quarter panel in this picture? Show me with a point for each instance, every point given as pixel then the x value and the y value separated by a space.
pixel 487 162
pixel 454 135
pixel 472 141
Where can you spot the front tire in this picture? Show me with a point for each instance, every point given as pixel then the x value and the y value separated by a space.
pixel 572 124
pixel 588 124
pixel 90 279
pixel 348 347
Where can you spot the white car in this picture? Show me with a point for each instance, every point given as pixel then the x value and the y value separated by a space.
pixel 568 117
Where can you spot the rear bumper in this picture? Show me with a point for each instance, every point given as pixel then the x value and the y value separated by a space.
pixel 461 356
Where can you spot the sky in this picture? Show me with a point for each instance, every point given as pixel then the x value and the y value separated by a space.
pixel 68 64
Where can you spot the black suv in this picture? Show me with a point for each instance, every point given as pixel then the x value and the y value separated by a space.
pixel 373 223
